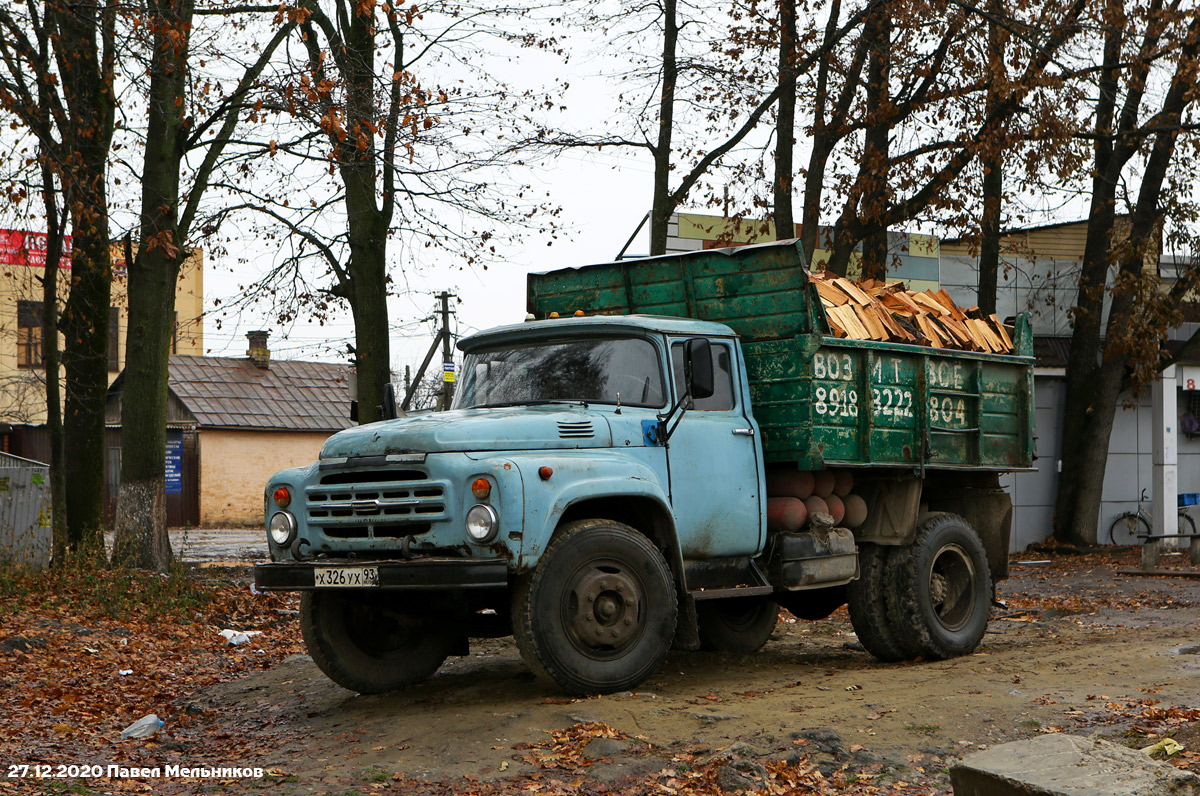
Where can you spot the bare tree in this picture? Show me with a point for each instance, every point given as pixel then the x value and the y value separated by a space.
pixel 1139 138
pixel 389 153
pixel 57 81
pixel 181 121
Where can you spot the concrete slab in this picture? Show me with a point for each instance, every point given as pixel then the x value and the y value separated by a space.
pixel 1068 765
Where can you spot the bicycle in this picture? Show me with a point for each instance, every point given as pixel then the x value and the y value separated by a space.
pixel 1140 522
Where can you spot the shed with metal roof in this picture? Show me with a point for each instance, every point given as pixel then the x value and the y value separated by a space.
pixel 232 422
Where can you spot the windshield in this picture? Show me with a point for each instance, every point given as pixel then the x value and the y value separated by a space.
pixel 606 371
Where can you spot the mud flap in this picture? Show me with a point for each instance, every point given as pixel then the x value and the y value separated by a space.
pixel 687 630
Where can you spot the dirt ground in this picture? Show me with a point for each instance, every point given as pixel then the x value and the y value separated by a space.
pixel 1078 648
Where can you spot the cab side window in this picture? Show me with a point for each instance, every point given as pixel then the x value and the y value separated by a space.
pixel 722 398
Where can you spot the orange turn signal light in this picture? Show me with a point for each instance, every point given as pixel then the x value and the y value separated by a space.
pixel 545 473
pixel 481 488
pixel 283 498
pixel 554 315
pixel 578 313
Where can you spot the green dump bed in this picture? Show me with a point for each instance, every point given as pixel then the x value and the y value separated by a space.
pixel 820 399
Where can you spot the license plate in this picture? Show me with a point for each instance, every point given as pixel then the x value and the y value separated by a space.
pixel 346 576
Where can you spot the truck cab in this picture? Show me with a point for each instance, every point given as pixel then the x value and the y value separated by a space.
pixel 558 426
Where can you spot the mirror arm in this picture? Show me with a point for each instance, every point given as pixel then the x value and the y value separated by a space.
pixel 664 433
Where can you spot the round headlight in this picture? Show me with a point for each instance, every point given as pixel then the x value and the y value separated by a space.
pixel 482 522
pixel 282 528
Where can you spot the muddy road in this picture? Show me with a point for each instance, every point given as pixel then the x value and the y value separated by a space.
pixel 1079 648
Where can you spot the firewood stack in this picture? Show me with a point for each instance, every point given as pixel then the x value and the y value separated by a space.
pixel 888 311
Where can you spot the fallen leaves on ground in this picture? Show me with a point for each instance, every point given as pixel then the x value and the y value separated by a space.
pixel 83 654
pixel 562 760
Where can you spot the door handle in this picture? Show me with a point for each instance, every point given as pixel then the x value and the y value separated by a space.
pixel 744 432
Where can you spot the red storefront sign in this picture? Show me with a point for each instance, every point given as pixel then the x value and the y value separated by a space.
pixel 29 248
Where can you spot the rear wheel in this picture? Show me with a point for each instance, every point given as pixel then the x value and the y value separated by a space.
pixel 742 624
pixel 866 599
pixel 1131 523
pixel 940 595
pixel 371 642
pixel 598 613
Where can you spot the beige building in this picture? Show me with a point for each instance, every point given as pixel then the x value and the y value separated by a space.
pixel 234 421
pixel 22 264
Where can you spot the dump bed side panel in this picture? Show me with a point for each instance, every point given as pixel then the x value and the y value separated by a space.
pixel 880 404
pixel 761 292
pixel 819 399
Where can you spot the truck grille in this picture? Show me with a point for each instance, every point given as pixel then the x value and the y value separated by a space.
pixel 580 430
pixel 375 503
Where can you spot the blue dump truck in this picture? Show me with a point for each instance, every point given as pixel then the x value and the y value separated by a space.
pixel 683 450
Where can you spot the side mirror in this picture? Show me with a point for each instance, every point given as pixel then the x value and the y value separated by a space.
pixel 387 410
pixel 698 367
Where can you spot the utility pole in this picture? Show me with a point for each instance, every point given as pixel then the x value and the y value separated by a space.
pixel 447 353
pixel 443 337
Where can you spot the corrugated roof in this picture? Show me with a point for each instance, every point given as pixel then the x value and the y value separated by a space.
pixel 227 392
pixel 1052 352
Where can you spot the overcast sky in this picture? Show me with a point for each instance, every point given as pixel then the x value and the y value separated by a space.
pixel 603 196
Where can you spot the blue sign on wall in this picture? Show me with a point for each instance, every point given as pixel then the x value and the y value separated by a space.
pixel 174 479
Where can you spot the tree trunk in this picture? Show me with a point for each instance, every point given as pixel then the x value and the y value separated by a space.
pixel 826 122
pixel 54 425
pixel 1076 506
pixel 814 183
pixel 873 203
pixel 85 357
pixel 785 127
pixel 1096 370
pixel 371 349
pixel 141 538
pixel 662 206
pixel 82 31
pixel 989 244
pixel 367 224
pixel 1083 427
pixel 993 175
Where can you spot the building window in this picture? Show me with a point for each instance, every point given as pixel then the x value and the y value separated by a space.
pixel 29 334
pixel 114 339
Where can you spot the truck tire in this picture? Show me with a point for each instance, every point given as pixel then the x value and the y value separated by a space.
pixel 812 604
pixel 866 599
pixel 598 613
pixel 741 624
pixel 371 643
pixel 940 595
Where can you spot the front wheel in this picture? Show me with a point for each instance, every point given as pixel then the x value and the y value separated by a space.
pixel 741 624
pixel 598 613
pixel 940 589
pixel 371 642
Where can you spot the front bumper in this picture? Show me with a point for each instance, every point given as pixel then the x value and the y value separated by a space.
pixel 429 574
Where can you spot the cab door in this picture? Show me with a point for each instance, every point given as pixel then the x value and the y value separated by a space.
pixel 714 463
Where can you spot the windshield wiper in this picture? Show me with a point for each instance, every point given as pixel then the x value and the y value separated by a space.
pixel 538 402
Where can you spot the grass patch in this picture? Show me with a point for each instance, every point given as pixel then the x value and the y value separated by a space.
pixel 95 589
pixel 927 729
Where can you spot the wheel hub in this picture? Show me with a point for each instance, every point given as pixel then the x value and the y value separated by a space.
pixel 952 586
pixel 604 609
